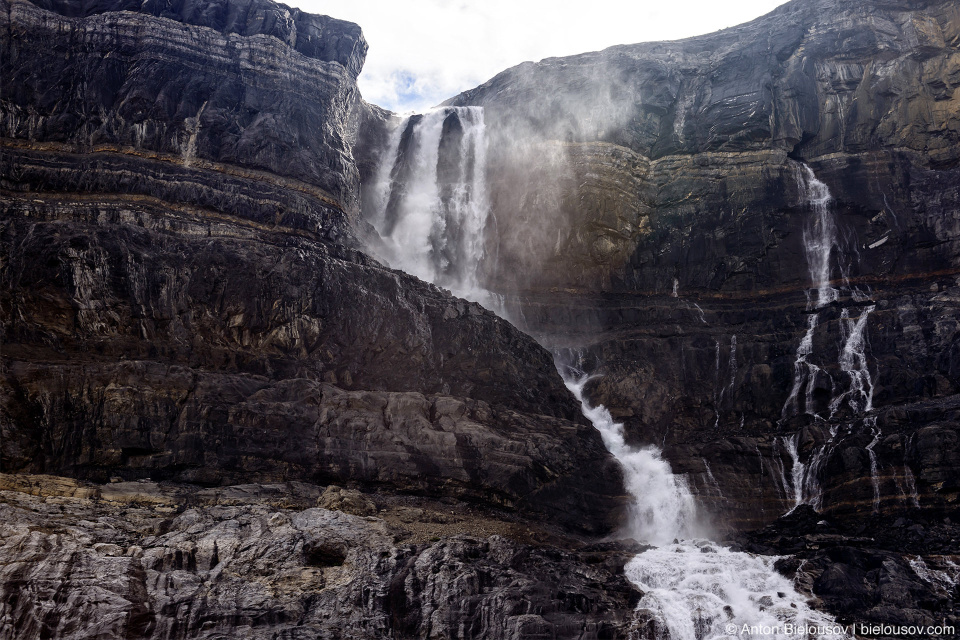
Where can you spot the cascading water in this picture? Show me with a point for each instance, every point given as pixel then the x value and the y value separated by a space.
pixel 701 591
pixel 819 241
pixel 805 478
pixel 874 478
pixel 693 588
pixel 804 375
pixel 431 219
pixel 430 201
pixel 853 362
pixel 663 507
pixel 819 238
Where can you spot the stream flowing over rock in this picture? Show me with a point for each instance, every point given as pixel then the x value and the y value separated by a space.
pixel 222 415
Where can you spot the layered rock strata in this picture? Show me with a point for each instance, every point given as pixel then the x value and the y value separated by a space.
pixel 184 299
pixel 665 228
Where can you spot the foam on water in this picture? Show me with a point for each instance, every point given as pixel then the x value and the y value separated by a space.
pixel 702 591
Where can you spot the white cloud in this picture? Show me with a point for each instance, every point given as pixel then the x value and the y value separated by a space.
pixel 425 51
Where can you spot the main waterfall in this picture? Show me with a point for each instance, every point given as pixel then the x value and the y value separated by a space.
pixel 430 203
pixel 430 206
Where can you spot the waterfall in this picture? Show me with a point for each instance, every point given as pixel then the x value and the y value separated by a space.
pixel 874 478
pixel 663 507
pixel 819 242
pixel 429 201
pixel 853 362
pixel 804 374
pixel 819 237
pixel 430 207
pixel 805 478
pixel 693 588
pixel 701 591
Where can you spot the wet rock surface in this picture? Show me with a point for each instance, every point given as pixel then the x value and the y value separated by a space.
pixel 277 436
pixel 902 573
pixel 184 299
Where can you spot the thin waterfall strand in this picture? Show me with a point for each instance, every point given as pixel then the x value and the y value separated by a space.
pixel 819 236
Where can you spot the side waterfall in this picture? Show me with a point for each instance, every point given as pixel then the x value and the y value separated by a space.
pixel 819 243
pixel 430 205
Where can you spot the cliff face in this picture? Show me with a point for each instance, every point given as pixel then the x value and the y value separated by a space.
pixel 183 299
pixel 651 204
pixel 140 560
pixel 266 432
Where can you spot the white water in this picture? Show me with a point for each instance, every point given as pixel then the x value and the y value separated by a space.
pixel 804 374
pixel 711 481
pixel 819 236
pixel 853 362
pixel 805 478
pixel 874 476
pixel 946 578
pixel 693 588
pixel 701 591
pixel 663 507
pixel 431 227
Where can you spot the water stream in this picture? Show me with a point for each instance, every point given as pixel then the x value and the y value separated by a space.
pixel 430 205
pixel 850 397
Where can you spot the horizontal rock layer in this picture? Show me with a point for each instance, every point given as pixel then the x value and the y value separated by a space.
pixel 129 83
pixel 185 300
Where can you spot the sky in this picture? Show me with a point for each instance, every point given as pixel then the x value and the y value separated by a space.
pixel 425 51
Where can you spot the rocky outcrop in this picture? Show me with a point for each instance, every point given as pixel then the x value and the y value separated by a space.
pixel 183 297
pixel 147 560
pixel 650 207
pixel 900 574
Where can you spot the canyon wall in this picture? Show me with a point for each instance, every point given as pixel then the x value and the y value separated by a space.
pixel 219 416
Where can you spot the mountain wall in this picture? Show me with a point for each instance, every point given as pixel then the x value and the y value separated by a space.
pixel 219 417
pixel 651 207
pixel 183 296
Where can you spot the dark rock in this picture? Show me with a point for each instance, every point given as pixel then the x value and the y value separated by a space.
pixel 876 576
pixel 184 296
pixel 251 569
pixel 666 241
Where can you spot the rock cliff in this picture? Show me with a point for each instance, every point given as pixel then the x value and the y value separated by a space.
pixel 147 560
pixel 219 417
pixel 184 300
pixel 666 233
